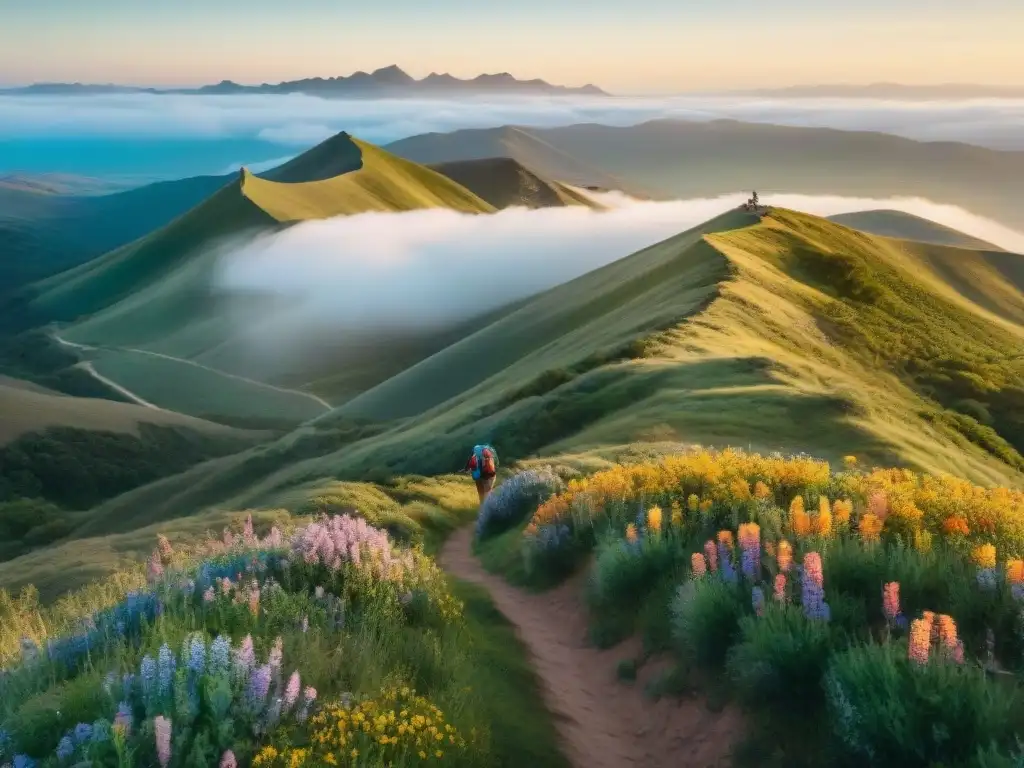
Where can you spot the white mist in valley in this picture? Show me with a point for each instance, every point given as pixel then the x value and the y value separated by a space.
pixel 364 276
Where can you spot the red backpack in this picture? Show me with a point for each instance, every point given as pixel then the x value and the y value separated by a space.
pixel 487 465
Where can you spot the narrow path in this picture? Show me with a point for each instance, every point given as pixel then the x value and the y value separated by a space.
pixel 88 368
pixel 603 723
pixel 309 395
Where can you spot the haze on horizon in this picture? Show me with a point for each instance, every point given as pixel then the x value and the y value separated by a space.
pixel 647 46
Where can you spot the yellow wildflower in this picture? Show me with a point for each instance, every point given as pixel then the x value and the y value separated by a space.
pixel 654 519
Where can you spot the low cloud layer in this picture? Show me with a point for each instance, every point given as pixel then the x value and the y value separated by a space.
pixel 376 273
pixel 299 120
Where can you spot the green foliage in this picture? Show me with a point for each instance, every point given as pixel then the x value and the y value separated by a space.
pixel 29 523
pixel 892 712
pixel 706 616
pixel 78 468
pixel 781 659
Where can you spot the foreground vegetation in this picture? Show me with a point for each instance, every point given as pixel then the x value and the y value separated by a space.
pixel 858 616
pixel 324 642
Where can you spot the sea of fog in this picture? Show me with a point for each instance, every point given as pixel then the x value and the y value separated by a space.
pixel 148 136
pixel 382 272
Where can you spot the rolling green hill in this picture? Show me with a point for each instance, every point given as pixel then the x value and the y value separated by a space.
pixel 145 316
pixel 790 333
pixel 906 226
pixel 674 158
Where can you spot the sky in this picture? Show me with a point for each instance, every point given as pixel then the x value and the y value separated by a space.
pixel 641 46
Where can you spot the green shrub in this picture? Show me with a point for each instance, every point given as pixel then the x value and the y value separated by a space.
pixel 781 659
pixel 706 617
pixel 890 711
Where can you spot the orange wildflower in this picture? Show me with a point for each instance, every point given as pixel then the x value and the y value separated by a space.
pixel 955 525
pixel 947 632
pixel 841 512
pixel 1015 571
pixel 698 566
pixel 823 520
pixel 780 587
pixel 870 528
pixel 920 640
pixel 725 537
pixel 785 555
pixel 711 552
pixel 891 600
pixel 631 533
pixel 878 505
pixel 761 491
pixel 654 518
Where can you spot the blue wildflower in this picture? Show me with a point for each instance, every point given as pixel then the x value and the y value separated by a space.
pixel 220 655
pixel 196 657
pixel 65 749
pixel 147 671
pixel 83 733
pixel 100 731
pixel 24 761
pixel 515 499
pixel 725 567
pixel 165 669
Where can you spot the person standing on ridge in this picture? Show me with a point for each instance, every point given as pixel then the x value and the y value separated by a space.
pixel 483 465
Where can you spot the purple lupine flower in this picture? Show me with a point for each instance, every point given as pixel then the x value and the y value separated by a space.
pixel 291 691
pixel 65 749
pixel 162 731
pixel 165 666
pixel 725 566
pixel 259 686
pixel 220 655
pixel 757 599
pixel 196 654
pixel 812 595
pixel 227 760
pixel 245 657
pixel 147 671
pixel 750 555
pixel 83 733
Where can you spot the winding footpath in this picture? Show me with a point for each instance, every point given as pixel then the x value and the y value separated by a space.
pixel 602 722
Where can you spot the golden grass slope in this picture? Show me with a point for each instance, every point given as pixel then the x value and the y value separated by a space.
pixel 25 409
pixel 504 182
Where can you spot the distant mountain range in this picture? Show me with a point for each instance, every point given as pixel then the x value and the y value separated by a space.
pixel 892 91
pixel 389 81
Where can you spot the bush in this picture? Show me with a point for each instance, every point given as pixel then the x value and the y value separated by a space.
pixel 890 711
pixel 514 500
pixel 781 659
pixel 706 617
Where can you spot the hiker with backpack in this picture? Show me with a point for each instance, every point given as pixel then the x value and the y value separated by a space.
pixel 483 465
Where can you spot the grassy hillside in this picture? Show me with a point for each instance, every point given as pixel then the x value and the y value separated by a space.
pixel 673 158
pixel 148 320
pixel 906 226
pixel 792 334
pixel 505 182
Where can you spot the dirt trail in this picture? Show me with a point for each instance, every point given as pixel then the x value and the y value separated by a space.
pixel 603 723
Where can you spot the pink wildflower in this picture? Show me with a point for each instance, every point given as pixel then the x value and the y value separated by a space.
pixel 227 760
pixel 958 652
pixel 698 566
pixel 164 547
pixel 229 538
pixel 291 691
pixel 155 568
pixel 162 730
pixel 711 553
pixel 208 595
pixel 891 600
pixel 248 536
pixel 812 568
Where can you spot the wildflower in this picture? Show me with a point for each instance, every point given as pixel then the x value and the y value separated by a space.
pixel 920 640
pixel 726 569
pixel 955 525
pixel 162 732
pixel 259 686
pixel 870 527
pixel 254 600
pixel 823 520
pixel 83 733
pixel 166 666
pixel 692 502
pixel 878 505
pixel 923 541
pixel 761 491
pixel 291 691
pixel 891 600
pixel 147 672
pixel 841 512
pixel 276 656
pixel 196 654
pixel 208 595
pixel 849 462
pixel 784 556
pixel 65 749
pixel 757 599
pixel 631 533
pixel 654 519
pixel 986 578
pixel 984 556
pixel 798 517
pixel 725 537
pixel 227 760
pixel 220 655
pixel 308 697
pixel 245 657
pixel 123 718
pixel 698 566
pixel 24 761
pixel 958 652
pixel 711 553
pixel 164 548
pixel 947 632
pixel 812 594
pixel 750 545
pixel 248 536
pixel 779 592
